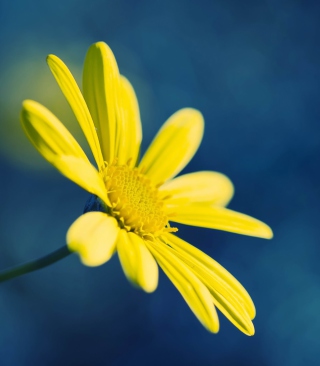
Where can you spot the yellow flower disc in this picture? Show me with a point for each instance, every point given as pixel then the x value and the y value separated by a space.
pixel 136 201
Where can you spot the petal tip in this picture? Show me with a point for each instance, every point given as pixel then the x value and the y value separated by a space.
pixel 253 313
pixel 251 331
pixel 213 328
pixel 150 289
pixel 266 232
pixel 99 44
pixel 51 58
pixel 193 114
pixel 27 104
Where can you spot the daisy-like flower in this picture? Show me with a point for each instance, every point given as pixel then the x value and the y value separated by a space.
pixel 133 202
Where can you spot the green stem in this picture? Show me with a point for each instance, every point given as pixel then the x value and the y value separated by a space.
pixel 34 265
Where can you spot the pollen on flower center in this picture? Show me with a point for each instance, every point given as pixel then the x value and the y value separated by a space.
pixel 136 202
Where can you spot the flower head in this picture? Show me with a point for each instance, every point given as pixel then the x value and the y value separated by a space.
pixel 133 202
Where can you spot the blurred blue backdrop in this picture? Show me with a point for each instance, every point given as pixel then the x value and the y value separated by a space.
pixel 252 68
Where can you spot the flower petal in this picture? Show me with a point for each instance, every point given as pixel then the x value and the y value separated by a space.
pixel 55 143
pixel 220 218
pixel 130 133
pixel 100 90
pixel 137 262
pixel 229 295
pixel 74 97
pixel 207 187
pixel 191 288
pixel 47 133
pixel 174 145
pixel 84 174
pixel 93 236
pixel 232 310
pixel 223 280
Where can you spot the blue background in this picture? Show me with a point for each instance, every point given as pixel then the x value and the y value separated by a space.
pixel 252 68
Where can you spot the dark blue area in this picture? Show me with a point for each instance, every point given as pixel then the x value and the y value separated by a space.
pixel 93 204
pixel 253 70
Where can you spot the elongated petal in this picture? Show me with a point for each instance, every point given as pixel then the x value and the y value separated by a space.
pixel 130 131
pixel 55 143
pixel 207 187
pixel 100 89
pixel 74 97
pixel 228 295
pixel 84 174
pixel 93 236
pixel 174 145
pixel 47 133
pixel 221 218
pixel 191 288
pixel 232 310
pixel 137 262
pixel 218 276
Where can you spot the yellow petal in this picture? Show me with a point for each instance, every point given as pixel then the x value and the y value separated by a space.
pixel 84 174
pixel 207 187
pixel 74 97
pixel 137 262
pixel 191 288
pixel 232 310
pixel 130 131
pixel 47 133
pixel 174 146
pixel 218 276
pixel 100 90
pixel 55 143
pixel 93 236
pixel 221 218
pixel 228 294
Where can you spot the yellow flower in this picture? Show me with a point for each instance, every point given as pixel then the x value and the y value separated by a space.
pixel 134 201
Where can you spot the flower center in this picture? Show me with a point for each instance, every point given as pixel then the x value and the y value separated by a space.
pixel 136 202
